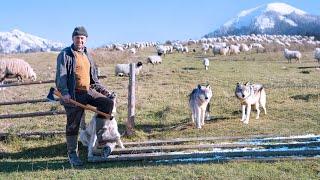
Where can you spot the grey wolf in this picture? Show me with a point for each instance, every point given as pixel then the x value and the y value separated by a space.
pixel 199 104
pixel 251 94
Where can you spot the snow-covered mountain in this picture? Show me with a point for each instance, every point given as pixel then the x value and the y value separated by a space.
pixel 17 41
pixel 273 18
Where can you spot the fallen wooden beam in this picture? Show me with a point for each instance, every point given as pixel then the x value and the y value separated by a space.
pixel 260 138
pixel 172 148
pixel 35 82
pixel 205 155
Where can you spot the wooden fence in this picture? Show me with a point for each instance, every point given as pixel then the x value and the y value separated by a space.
pixel 131 101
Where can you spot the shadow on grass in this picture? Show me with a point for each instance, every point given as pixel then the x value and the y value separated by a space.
pixel 52 157
pixel 307 67
pixel 189 68
pixel 307 97
pixel 32 165
pixel 305 72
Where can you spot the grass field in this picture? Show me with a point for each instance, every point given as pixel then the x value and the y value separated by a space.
pixel 293 102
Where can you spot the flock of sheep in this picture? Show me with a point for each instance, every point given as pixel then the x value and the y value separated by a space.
pixel 225 45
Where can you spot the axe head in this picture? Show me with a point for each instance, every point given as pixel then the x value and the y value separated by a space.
pixel 50 96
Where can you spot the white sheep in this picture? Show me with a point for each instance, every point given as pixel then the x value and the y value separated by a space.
pixel 292 55
pixel 163 50
pixel 18 68
pixel 124 69
pixel 206 63
pixel 244 47
pixel 154 59
pixel 185 49
pixel 132 50
pixel 216 49
pixel 234 49
pixel 224 50
pixel 205 48
pixel 317 54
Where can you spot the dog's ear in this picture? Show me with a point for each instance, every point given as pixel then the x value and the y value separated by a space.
pixel 247 83
pixel 208 86
pixel 199 86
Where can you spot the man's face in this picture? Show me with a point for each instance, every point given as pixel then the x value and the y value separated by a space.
pixel 79 41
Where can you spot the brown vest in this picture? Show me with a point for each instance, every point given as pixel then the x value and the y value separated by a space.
pixel 82 71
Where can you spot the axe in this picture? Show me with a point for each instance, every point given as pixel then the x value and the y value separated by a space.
pixel 53 91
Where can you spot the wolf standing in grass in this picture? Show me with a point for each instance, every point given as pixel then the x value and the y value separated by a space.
pixel 77 79
pixel 251 94
pixel 199 104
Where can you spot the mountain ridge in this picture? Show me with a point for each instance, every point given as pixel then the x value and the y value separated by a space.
pixel 17 41
pixel 273 18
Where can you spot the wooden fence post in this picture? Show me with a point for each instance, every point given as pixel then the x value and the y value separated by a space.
pixel 131 100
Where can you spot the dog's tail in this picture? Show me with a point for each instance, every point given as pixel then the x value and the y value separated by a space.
pixel 258 88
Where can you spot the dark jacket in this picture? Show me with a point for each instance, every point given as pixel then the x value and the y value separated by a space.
pixel 65 75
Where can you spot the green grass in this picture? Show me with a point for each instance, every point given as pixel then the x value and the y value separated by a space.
pixel 293 100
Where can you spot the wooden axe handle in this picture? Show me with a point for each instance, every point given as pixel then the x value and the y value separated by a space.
pixel 91 108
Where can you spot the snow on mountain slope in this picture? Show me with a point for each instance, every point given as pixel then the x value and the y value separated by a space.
pixel 17 41
pixel 273 18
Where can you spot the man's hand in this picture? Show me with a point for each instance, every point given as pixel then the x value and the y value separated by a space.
pixel 66 98
pixel 112 95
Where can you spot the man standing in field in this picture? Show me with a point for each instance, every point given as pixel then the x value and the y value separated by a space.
pixel 77 79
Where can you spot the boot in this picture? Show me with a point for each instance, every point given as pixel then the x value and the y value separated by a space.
pixel 72 147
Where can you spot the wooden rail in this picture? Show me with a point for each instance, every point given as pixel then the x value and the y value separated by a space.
pixel 35 82
pixel 32 114
pixel 205 156
pixel 25 101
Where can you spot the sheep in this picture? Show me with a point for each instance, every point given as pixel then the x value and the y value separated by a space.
pixel 216 49
pixel 132 50
pixel 163 50
pixel 224 50
pixel 317 54
pixel 185 49
pixel 206 63
pixel 124 69
pixel 234 49
pixel 205 48
pixel 155 59
pixel 257 46
pixel 244 47
pixel 16 68
pixel 292 55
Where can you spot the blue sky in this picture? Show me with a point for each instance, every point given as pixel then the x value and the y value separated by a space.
pixel 109 21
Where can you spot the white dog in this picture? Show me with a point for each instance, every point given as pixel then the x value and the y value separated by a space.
pixel 110 136
pixel 199 104
pixel 251 95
